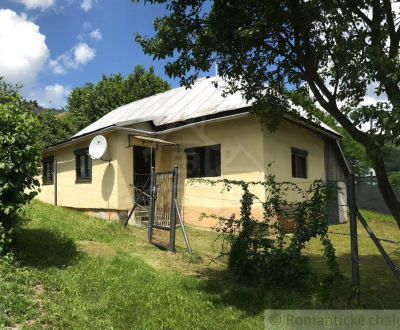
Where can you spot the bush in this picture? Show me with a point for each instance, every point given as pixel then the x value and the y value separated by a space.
pixel 262 249
pixel 20 154
pixel 394 180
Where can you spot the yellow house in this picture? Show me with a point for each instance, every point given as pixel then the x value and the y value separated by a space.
pixel 202 132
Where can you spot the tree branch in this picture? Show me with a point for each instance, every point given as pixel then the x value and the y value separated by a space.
pixel 332 109
pixel 362 16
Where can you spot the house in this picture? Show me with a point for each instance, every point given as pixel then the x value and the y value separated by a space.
pixel 206 135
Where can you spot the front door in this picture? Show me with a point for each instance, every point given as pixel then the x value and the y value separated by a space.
pixel 143 160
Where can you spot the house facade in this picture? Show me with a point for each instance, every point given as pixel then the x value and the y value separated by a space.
pixel 206 135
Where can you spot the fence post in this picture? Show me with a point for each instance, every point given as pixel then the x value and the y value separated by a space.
pixel 151 205
pixel 174 211
pixel 55 181
pixel 351 202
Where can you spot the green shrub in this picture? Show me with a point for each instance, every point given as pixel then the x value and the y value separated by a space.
pixel 394 180
pixel 262 249
pixel 20 154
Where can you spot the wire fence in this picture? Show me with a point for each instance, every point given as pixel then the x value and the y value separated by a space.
pixel 349 195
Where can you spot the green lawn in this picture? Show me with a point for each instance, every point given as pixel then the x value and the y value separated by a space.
pixel 79 272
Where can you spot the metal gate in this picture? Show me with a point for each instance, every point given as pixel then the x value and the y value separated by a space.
pixel 162 217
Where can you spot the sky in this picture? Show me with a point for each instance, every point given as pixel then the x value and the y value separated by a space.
pixel 53 46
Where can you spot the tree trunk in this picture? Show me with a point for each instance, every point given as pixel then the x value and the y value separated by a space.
pixel 386 189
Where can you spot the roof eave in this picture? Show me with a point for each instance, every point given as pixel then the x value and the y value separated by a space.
pixel 188 123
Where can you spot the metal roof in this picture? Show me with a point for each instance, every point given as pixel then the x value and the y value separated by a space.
pixel 177 105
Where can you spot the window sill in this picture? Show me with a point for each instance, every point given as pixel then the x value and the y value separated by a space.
pixel 48 184
pixel 204 177
pixel 83 180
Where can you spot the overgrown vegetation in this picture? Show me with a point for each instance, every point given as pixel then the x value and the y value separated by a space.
pixel 20 154
pixel 56 127
pixel 262 248
pixel 72 271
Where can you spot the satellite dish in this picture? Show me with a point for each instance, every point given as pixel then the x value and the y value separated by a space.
pixel 97 147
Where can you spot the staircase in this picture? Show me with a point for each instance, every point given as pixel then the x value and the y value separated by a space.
pixel 141 216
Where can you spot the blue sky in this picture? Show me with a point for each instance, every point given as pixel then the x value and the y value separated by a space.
pixel 52 46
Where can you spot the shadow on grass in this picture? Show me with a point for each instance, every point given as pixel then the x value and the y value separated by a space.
pixel 228 291
pixel 42 248
pixel 379 288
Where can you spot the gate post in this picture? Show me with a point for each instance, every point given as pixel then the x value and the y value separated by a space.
pixel 174 194
pixel 351 202
pixel 151 205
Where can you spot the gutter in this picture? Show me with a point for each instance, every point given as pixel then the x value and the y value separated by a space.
pixel 322 131
pixel 116 127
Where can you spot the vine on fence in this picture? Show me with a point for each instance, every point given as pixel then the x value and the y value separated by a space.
pixel 262 247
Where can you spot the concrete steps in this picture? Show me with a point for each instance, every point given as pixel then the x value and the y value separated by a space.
pixel 141 217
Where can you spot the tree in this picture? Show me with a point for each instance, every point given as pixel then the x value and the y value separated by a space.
pixel 392 159
pixel 355 154
pixel 336 47
pixel 20 154
pixel 9 92
pixel 395 180
pixel 55 127
pixel 92 101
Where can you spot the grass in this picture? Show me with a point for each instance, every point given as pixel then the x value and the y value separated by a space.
pixel 75 271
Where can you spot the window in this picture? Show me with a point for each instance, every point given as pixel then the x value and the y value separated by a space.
pixel 299 163
pixel 48 170
pixel 83 165
pixel 204 161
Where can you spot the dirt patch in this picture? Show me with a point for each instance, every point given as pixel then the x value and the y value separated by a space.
pixel 96 249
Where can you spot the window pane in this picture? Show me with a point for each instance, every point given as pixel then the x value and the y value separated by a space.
pixel 303 171
pixel 201 161
pixel 293 165
pixel 191 165
pixel 44 173
pixel 82 166
pixel 48 172
pixel 204 161
pixel 89 166
pixel 214 161
pixel 51 171
pixel 299 168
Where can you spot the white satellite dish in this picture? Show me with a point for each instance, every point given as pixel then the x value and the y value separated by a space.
pixel 97 147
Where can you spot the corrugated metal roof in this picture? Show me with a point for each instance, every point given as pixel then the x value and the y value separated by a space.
pixel 175 105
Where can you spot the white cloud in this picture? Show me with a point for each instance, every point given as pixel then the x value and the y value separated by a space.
pixel 36 4
pixel 73 59
pixel 96 34
pixel 86 5
pixel 87 26
pixel 51 96
pixel 23 49
pixel 83 53
pixel 56 67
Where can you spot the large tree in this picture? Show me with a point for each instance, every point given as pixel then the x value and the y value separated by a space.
pixel 92 101
pixel 336 47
